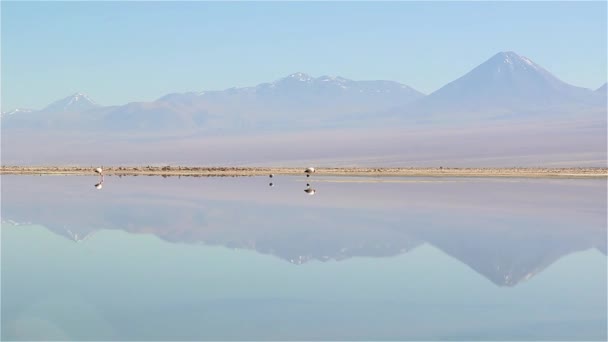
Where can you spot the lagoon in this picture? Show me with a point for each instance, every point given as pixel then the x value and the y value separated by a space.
pixel 364 258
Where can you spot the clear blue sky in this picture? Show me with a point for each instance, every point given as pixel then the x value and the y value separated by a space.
pixel 118 52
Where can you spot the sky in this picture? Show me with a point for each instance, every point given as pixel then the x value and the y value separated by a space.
pixel 119 52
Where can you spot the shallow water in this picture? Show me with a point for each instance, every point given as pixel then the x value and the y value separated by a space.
pixel 191 258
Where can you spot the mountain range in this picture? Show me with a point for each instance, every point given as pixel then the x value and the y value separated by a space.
pixel 508 111
pixel 297 100
pixel 505 86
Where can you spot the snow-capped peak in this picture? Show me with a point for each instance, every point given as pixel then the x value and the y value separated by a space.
pixel 512 61
pixel 300 76
pixel 331 78
pixel 529 62
pixel 74 102
pixel 80 97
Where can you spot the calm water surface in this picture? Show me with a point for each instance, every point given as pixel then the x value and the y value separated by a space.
pixel 151 258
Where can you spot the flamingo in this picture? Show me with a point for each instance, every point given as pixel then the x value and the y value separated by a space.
pixel 100 172
pixel 308 171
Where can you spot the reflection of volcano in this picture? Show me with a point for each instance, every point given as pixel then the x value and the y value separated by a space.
pixel 504 246
pixel 506 257
pixel 76 236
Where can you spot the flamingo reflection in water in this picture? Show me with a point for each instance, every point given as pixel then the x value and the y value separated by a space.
pixel 309 190
pixel 99 185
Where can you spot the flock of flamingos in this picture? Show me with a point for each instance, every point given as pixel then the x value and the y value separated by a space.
pixel 308 171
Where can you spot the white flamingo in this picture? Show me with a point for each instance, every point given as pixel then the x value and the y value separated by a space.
pixel 309 170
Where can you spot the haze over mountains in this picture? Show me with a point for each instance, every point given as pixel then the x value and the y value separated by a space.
pixel 507 89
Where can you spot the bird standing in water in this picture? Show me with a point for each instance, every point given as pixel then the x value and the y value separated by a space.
pixel 309 170
pixel 100 172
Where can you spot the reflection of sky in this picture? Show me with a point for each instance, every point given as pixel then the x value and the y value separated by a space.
pixel 117 285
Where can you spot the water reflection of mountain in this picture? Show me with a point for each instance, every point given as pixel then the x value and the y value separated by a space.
pixel 506 257
pixel 505 246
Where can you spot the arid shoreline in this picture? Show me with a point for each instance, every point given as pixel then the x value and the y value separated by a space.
pixel 261 171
